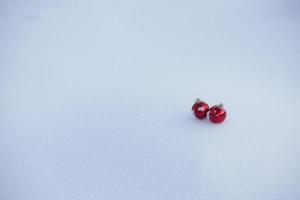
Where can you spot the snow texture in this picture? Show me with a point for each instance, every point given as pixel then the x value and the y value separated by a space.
pixel 95 99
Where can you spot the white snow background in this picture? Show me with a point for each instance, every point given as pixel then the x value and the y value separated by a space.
pixel 95 99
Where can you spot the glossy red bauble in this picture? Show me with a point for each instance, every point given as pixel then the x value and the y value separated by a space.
pixel 200 109
pixel 217 114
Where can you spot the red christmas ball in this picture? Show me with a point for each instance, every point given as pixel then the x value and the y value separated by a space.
pixel 200 109
pixel 217 114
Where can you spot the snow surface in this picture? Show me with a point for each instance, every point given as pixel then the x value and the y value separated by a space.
pixel 95 99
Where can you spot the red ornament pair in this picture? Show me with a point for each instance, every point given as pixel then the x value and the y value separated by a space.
pixel 217 113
